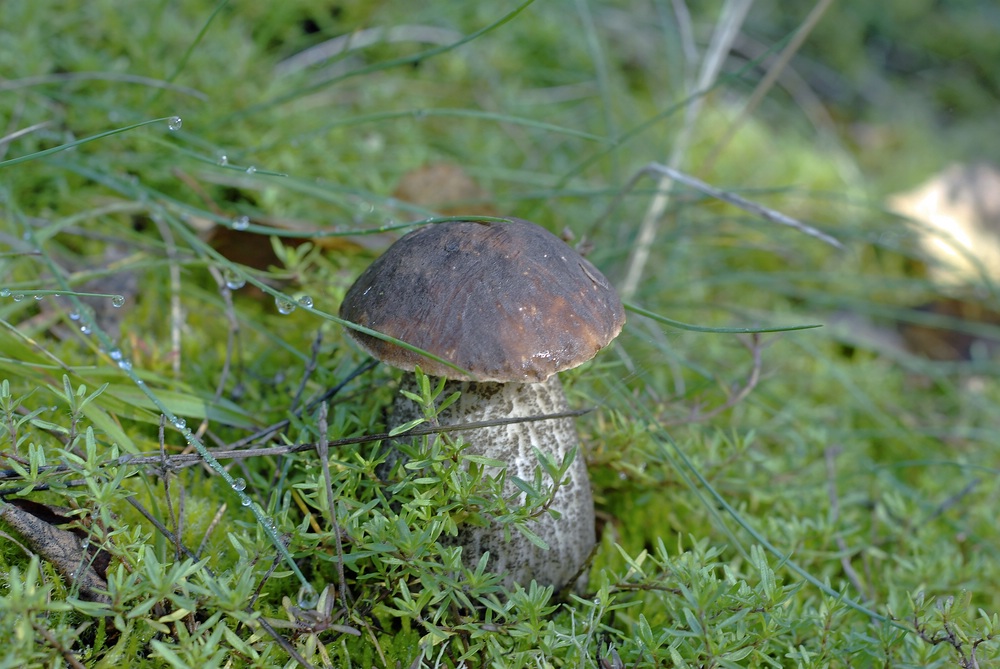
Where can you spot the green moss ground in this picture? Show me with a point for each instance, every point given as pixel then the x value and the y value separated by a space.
pixel 840 512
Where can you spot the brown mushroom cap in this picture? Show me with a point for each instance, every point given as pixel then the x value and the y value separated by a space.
pixel 509 302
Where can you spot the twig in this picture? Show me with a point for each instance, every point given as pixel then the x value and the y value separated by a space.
pixel 308 372
pixel 830 453
pixel 284 643
pixel 697 415
pixel 183 459
pixel 953 500
pixel 282 424
pixel 760 210
pixel 323 451
pixel 52 641
pixel 162 529
pixel 165 474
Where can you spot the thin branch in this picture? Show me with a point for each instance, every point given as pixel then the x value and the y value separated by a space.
pixel 188 459
pixel 830 454
pixel 284 643
pixel 308 372
pixel 52 641
pixel 697 415
pixel 162 529
pixel 323 451
pixel 282 424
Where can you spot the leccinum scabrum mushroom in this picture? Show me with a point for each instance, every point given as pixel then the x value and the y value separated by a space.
pixel 512 304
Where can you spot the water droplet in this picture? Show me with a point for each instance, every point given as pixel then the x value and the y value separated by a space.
pixel 4 292
pixel 118 301
pixel 85 543
pixel 138 382
pixel 18 297
pixel 175 122
pixel 115 354
pixel 306 301
pixel 234 280
pixel 38 297
pixel 239 485
pixel 246 501
pixel 223 159
pixel 307 597
pixel 125 365
pixel 85 329
pixel 179 423
pixel 241 223
pixel 284 306
pixel 251 170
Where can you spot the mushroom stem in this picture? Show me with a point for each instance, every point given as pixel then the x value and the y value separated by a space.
pixel 571 538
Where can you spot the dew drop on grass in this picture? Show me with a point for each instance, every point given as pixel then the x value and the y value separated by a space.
pixel 18 297
pixel 284 306
pixel 180 423
pixel 115 354
pixel 38 298
pixel 118 301
pixel 239 485
pixel 223 159
pixel 306 301
pixel 125 365
pixel 4 292
pixel 85 543
pixel 234 280
pixel 74 316
pixel 251 170
pixel 85 329
pixel 307 597
pixel 246 501
pixel 175 122
pixel 241 223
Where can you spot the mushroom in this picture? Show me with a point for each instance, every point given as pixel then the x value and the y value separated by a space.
pixel 511 304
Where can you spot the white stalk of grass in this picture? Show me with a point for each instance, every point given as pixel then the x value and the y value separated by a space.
pixel 726 31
